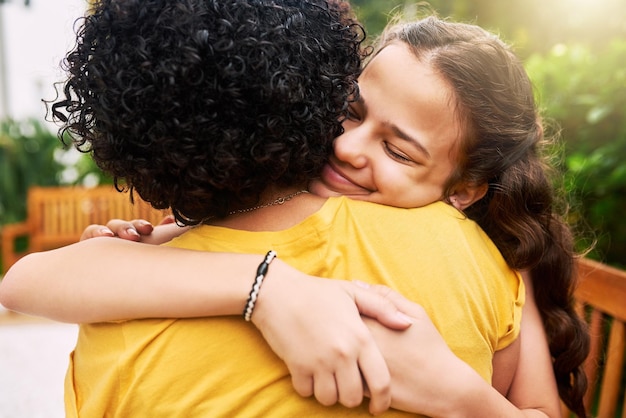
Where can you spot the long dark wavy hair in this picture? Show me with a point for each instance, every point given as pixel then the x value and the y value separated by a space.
pixel 504 146
pixel 199 105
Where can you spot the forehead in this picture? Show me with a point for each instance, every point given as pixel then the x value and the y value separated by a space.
pixel 399 88
pixel 406 77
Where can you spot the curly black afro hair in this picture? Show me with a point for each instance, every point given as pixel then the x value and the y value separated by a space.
pixel 199 105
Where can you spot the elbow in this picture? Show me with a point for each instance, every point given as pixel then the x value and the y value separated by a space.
pixel 15 283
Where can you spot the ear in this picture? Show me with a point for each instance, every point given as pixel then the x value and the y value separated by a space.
pixel 466 194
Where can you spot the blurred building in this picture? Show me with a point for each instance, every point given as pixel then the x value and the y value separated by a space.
pixel 34 36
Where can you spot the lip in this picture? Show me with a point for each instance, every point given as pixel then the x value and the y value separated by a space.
pixel 338 181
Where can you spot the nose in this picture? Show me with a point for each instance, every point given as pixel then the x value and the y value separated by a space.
pixel 351 146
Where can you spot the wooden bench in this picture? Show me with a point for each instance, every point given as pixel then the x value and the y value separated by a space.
pixel 57 216
pixel 601 296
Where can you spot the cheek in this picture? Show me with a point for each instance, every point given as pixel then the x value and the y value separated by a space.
pixel 404 187
pixel 412 194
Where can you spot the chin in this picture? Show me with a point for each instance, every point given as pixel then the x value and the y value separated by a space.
pixel 361 197
pixel 319 189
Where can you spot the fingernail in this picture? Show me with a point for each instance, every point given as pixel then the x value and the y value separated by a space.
pixel 106 231
pixel 404 318
pixel 132 231
pixel 361 284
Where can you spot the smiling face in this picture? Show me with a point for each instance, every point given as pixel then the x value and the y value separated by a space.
pixel 400 141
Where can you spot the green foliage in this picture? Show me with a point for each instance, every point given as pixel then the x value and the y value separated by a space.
pixel 531 25
pixel 32 155
pixel 375 14
pixel 584 90
pixel 26 158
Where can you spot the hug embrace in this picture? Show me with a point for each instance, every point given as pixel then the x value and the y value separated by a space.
pixel 417 168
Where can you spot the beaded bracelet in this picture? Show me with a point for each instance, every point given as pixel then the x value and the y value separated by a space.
pixel 258 281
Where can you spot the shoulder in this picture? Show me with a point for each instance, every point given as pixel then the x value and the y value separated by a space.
pixel 425 230
pixel 437 223
pixel 438 208
pixel 438 214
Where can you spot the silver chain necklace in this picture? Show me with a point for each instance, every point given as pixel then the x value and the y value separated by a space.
pixel 278 201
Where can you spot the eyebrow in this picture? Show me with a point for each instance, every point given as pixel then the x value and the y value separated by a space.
pixel 403 135
pixel 397 131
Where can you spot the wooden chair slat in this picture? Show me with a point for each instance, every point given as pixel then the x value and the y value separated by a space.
pixel 606 288
pixel 612 371
pixel 601 298
pixel 57 216
pixel 596 320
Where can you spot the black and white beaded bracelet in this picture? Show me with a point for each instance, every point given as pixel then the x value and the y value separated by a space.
pixel 256 286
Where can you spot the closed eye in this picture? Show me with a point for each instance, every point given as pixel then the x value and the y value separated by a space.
pixel 396 153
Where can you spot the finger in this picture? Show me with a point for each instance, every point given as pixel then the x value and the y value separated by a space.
pixel 377 379
pixel 303 384
pixel 349 385
pixel 325 389
pixel 169 219
pixel 142 226
pixel 124 229
pixel 95 231
pixel 375 304
pixel 407 307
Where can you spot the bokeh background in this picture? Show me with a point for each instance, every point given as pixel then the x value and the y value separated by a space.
pixel 574 50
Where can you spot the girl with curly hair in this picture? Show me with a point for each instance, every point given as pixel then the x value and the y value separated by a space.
pixel 471 169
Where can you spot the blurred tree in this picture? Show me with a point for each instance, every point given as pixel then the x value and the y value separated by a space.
pixel 26 158
pixel 584 90
pixel 532 25
pixel 31 155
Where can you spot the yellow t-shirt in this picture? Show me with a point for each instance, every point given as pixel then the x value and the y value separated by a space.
pixel 222 367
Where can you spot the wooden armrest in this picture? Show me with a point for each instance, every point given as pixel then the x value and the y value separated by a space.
pixel 10 233
pixel 601 294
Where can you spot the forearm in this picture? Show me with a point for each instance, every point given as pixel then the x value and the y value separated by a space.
pixel 109 279
pixel 534 380
pixel 448 387
pixel 477 399
pixel 429 379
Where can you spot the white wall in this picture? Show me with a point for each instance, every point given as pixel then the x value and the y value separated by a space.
pixel 35 40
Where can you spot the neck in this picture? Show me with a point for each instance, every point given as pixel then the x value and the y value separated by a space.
pixel 273 192
pixel 280 200
pixel 271 215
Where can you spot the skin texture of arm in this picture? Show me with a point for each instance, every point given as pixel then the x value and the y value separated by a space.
pixel 84 289
pixel 329 375
pixel 534 363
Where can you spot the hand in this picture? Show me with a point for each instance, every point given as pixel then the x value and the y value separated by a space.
pixel 314 325
pixel 426 376
pixel 137 230
pixel 129 230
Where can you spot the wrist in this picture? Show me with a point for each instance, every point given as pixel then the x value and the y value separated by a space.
pixel 470 395
pixel 273 294
pixel 261 272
